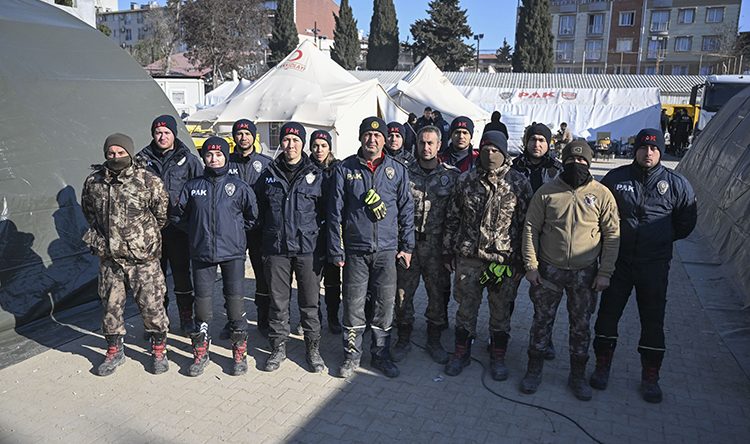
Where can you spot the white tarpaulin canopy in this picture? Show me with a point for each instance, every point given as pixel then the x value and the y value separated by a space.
pixel 426 86
pixel 227 89
pixel 310 88
pixel 620 111
pixel 210 114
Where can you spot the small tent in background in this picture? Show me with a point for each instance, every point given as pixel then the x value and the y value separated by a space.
pixel 310 88
pixel 64 86
pixel 208 115
pixel 220 93
pixel 425 85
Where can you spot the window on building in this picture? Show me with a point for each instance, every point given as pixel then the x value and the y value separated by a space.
pixel 707 70
pixel 711 43
pixel 564 70
pixel 274 129
pixel 128 34
pixel 683 44
pixel 564 51
pixel 624 45
pixel 651 70
pixel 627 18
pixel 594 49
pixel 596 24
pixel 679 70
pixel 567 25
pixel 659 21
pixel 139 19
pixel 656 48
pixel 714 15
pixel 594 70
pixel 178 97
pixel 686 16
pixel 624 69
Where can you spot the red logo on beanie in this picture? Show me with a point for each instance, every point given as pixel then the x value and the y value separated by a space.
pixel 294 131
pixel 393 129
pixel 160 124
pixel 242 126
pixel 648 139
pixel 460 124
pixel 213 147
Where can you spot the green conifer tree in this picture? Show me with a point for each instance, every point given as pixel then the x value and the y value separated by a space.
pixel 346 46
pixel 441 36
pixel 533 52
pixel 382 44
pixel 284 37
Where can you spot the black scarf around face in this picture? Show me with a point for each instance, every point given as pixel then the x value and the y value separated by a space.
pixel 290 170
pixel 575 174
pixel 118 164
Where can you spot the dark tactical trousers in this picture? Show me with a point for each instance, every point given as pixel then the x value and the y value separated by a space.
pixel 262 295
pixel 650 280
pixel 332 285
pixel 427 263
pixel 145 281
pixel 175 254
pixel 581 302
pixel 469 294
pixel 233 279
pixel 375 272
pixel 279 271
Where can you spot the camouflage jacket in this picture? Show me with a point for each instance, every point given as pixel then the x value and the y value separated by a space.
pixel 431 192
pixel 126 213
pixel 486 215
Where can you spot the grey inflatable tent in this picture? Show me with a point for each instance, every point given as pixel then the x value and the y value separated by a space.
pixel 718 167
pixel 64 87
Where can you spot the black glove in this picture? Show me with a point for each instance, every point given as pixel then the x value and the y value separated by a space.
pixel 374 204
pixel 494 274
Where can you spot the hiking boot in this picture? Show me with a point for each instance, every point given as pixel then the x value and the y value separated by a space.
pixel 604 350
pixel 498 347
pixel 278 355
pixel 201 342
pixel 239 353
pixel 348 367
pixel 187 324
pixel 159 353
pixel 312 355
pixel 577 379
pixel 434 346
pixel 650 390
pixel 385 365
pixel 402 347
pixel 225 332
pixel 115 355
pixel 461 356
pixel 532 379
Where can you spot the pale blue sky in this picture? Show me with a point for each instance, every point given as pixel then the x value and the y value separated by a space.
pixel 495 19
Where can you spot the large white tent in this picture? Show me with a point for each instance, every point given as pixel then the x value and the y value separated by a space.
pixel 210 114
pixel 310 88
pixel 621 112
pixel 426 86
pixel 222 92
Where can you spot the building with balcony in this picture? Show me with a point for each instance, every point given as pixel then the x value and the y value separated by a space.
pixel 678 37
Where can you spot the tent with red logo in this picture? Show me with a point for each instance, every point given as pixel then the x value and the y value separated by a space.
pixel 310 88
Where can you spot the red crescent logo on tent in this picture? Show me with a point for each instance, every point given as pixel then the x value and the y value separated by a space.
pixel 296 55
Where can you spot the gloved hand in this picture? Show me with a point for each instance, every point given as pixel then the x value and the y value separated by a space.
pixel 495 273
pixel 374 204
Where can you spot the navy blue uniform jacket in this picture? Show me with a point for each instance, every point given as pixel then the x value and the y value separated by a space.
pixel 175 168
pixel 248 168
pixel 216 211
pixel 351 227
pixel 656 208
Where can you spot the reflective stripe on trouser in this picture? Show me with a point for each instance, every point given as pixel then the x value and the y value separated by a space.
pixel 469 293
pixel 145 281
pixel 581 302
pixel 427 263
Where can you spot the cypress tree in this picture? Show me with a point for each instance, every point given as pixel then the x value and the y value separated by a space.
pixel 346 47
pixel 382 44
pixel 284 36
pixel 504 54
pixel 533 52
pixel 441 36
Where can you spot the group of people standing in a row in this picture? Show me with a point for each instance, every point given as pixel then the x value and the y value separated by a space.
pixel 388 217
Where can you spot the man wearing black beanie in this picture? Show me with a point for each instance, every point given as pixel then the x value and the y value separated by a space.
pixel 394 144
pixel 460 153
pixel 170 159
pixel 249 165
pixel 656 206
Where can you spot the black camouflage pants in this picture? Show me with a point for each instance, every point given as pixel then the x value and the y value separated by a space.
pixel 581 302
pixel 427 263
pixel 145 281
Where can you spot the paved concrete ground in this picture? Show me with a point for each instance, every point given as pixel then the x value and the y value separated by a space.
pixel 55 396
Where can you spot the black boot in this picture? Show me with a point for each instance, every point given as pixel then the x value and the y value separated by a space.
pixel 115 355
pixel 226 332
pixel 497 356
pixel 239 353
pixel 461 356
pixel 650 389
pixel 348 367
pixel 185 310
pixel 159 353
pixel 278 355
pixel 312 355
pixel 604 350
pixel 201 342
pixel 577 378
pixel 434 345
pixel 403 344
pixel 381 354
pixel 532 379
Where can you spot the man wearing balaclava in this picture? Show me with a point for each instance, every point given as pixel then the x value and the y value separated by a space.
pixel 482 244
pixel 570 243
pixel 170 159
pixel 126 208
pixel 657 207
pixel 539 167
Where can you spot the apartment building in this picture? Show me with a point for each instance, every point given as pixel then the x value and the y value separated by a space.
pixel 677 37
